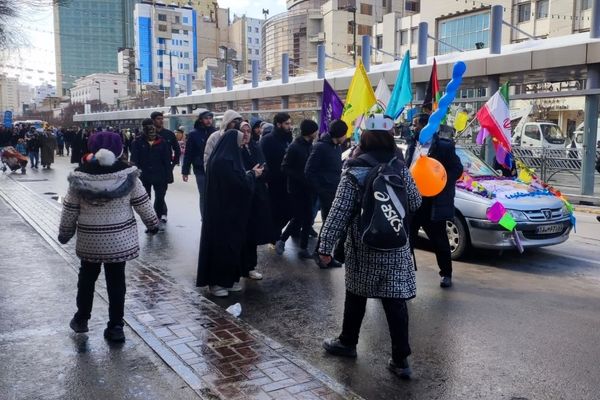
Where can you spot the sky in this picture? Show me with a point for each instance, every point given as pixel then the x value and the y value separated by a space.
pixel 35 62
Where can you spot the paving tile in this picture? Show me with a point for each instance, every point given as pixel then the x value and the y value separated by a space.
pixel 279 385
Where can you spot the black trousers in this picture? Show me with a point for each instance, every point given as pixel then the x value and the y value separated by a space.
pixel 436 232
pixel 396 313
pixel 160 191
pixel 301 220
pixel 115 286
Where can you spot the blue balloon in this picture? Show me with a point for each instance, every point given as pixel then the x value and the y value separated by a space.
pixel 435 119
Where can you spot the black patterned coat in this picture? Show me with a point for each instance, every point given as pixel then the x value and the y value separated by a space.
pixel 369 273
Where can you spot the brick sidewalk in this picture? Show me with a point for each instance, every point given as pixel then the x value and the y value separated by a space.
pixel 218 355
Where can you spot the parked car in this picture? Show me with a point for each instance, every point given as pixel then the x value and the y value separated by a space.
pixel 541 220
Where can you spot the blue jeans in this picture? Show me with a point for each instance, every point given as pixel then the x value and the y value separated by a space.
pixel 34 158
pixel 201 182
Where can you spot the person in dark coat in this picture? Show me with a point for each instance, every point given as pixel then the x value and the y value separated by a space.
pixel 79 146
pixel 301 193
pixel 274 146
pixel 229 188
pixel 255 124
pixel 169 137
pixel 33 144
pixel 260 230
pixel 69 136
pixel 437 210
pixel 151 153
pixel 194 151
pixel 324 169
pixel 48 142
pixel 371 273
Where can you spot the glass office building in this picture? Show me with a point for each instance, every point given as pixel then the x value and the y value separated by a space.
pixel 464 32
pixel 88 35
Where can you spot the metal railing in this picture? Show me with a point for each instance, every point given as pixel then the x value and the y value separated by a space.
pixel 546 162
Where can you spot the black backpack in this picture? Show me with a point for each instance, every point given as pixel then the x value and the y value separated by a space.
pixel 383 206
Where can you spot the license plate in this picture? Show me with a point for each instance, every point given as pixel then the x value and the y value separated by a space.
pixel 549 229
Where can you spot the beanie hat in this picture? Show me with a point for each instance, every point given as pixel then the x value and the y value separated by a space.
pixel 203 112
pixel 308 127
pixel 338 129
pixel 106 146
pixel 255 122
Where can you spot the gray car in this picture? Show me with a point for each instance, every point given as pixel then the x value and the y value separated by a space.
pixel 541 220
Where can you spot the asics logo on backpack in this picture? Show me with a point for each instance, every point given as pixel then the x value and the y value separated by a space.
pixel 389 211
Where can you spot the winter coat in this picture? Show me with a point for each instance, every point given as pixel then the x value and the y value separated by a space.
pixel 324 166
pixel 274 146
pixel 33 144
pixel 293 166
pixel 369 273
pixel 98 206
pixel 194 150
pixel 48 148
pixel 169 136
pixel 154 160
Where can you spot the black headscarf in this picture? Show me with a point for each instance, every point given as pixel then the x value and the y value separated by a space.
pixel 228 149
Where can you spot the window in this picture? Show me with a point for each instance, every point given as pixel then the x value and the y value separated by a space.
pixel 186 54
pixel 116 91
pixel 365 30
pixel 249 52
pixel 159 64
pixel 161 40
pixel 541 9
pixel 379 42
pixel 162 28
pixel 384 3
pixel 403 37
pixel 160 75
pixel 350 26
pixel 185 20
pixel 256 51
pixel 160 52
pixel 186 66
pixel 255 30
pixel 162 17
pixel 256 41
pixel 249 40
pixel 412 5
pixel 464 32
pixel 524 12
pixel 414 35
pixel 366 9
pixel 586 4
pixel 174 30
pixel 249 29
pixel 186 43
pixel 532 131
pixel 185 31
pixel 177 20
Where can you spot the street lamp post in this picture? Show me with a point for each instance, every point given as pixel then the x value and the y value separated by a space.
pixel 352 9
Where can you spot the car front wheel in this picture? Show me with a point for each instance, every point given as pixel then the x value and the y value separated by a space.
pixel 458 237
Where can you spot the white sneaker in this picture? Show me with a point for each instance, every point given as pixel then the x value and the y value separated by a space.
pixel 218 291
pixel 257 276
pixel 237 287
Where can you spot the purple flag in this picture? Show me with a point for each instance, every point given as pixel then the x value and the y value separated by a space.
pixel 332 107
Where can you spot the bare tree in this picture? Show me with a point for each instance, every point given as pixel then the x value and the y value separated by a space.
pixel 10 11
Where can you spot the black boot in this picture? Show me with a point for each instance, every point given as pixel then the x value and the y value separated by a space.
pixel 78 325
pixel 114 333
pixel 337 348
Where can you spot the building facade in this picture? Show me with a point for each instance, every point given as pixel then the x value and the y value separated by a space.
pixel 9 94
pixel 106 88
pixel 43 91
pixel 87 36
pixel 245 36
pixel 165 44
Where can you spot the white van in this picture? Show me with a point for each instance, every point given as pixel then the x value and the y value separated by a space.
pixel 578 135
pixel 540 134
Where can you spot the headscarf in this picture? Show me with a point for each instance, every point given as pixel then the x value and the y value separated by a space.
pixel 228 149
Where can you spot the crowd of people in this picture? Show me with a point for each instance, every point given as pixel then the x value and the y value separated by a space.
pixel 258 185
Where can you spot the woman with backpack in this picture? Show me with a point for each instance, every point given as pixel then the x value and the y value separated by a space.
pixel 372 273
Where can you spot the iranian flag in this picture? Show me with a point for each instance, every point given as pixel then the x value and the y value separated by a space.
pixel 494 116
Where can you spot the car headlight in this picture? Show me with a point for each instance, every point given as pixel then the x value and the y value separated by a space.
pixel 518 216
pixel 565 211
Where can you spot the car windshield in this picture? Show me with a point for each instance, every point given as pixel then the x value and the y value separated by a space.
pixel 474 165
pixel 552 134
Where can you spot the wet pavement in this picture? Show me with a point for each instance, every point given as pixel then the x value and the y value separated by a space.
pixel 513 326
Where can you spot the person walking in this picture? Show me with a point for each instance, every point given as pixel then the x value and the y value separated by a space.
pixel 229 189
pixel 60 143
pixel 68 137
pixel 324 169
pixel 435 211
pixel 274 146
pixel 99 206
pixel 300 191
pixel 33 143
pixel 48 147
pixel 158 121
pixel 370 273
pixel 231 120
pixel 152 155
pixel 194 151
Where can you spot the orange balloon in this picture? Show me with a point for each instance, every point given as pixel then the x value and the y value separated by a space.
pixel 429 175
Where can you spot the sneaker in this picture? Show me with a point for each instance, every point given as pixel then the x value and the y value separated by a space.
pixel 114 333
pixel 163 219
pixel 305 254
pixel 401 370
pixel 280 247
pixel 257 276
pixel 313 233
pixel 335 347
pixel 218 291
pixel 79 326
pixel 335 264
pixel 237 287
pixel 446 282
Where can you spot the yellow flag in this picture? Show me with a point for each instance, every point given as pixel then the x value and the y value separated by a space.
pixel 360 97
pixel 460 121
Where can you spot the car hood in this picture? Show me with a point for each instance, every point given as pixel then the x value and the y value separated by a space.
pixel 505 189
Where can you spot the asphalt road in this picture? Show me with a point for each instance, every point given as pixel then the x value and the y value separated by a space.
pixel 512 327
